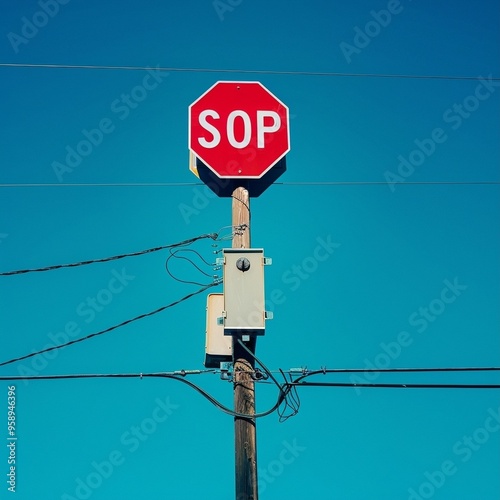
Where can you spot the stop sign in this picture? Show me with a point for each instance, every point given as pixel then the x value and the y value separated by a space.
pixel 239 129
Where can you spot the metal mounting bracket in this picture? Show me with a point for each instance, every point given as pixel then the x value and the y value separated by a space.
pixel 226 370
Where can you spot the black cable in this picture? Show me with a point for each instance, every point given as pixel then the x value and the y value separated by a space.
pixel 221 238
pixel 111 328
pixel 312 183
pixel 294 397
pixel 242 202
pixel 381 183
pixel 170 375
pixel 179 279
pixel 213 236
pixel 269 373
pixel 198 254
pixel 244 226
pixel 246 71
pixel 180 374
pixel 177 373
pixel 396 370
pixel 298 381
pixel 283 389
pixel 173 254
pixel 396 386
pixel 227 410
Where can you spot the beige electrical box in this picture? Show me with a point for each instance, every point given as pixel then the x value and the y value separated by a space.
pixel 244 310
pixel 218 347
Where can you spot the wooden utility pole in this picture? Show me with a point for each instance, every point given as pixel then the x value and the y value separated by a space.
pixel 243 368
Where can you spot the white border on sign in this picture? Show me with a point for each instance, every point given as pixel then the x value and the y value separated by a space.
pixel 239 176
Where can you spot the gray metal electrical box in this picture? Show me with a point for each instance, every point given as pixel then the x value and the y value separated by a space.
pixel 244 309
pixel 218 348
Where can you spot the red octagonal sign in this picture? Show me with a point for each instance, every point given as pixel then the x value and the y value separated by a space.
pixel 239 129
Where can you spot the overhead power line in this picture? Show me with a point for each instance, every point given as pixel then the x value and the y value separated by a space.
pixel 100 184
pixel 213 236
pixel 324 371
pixel 299 381
pixel 381 183
pixel 285 389
pixel 177 375
pixel 396 386
pixel 243 71
pixel 291 371
pixel 111 328
pixel 298 183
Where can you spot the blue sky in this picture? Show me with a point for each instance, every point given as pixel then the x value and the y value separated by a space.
pixel 412 279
